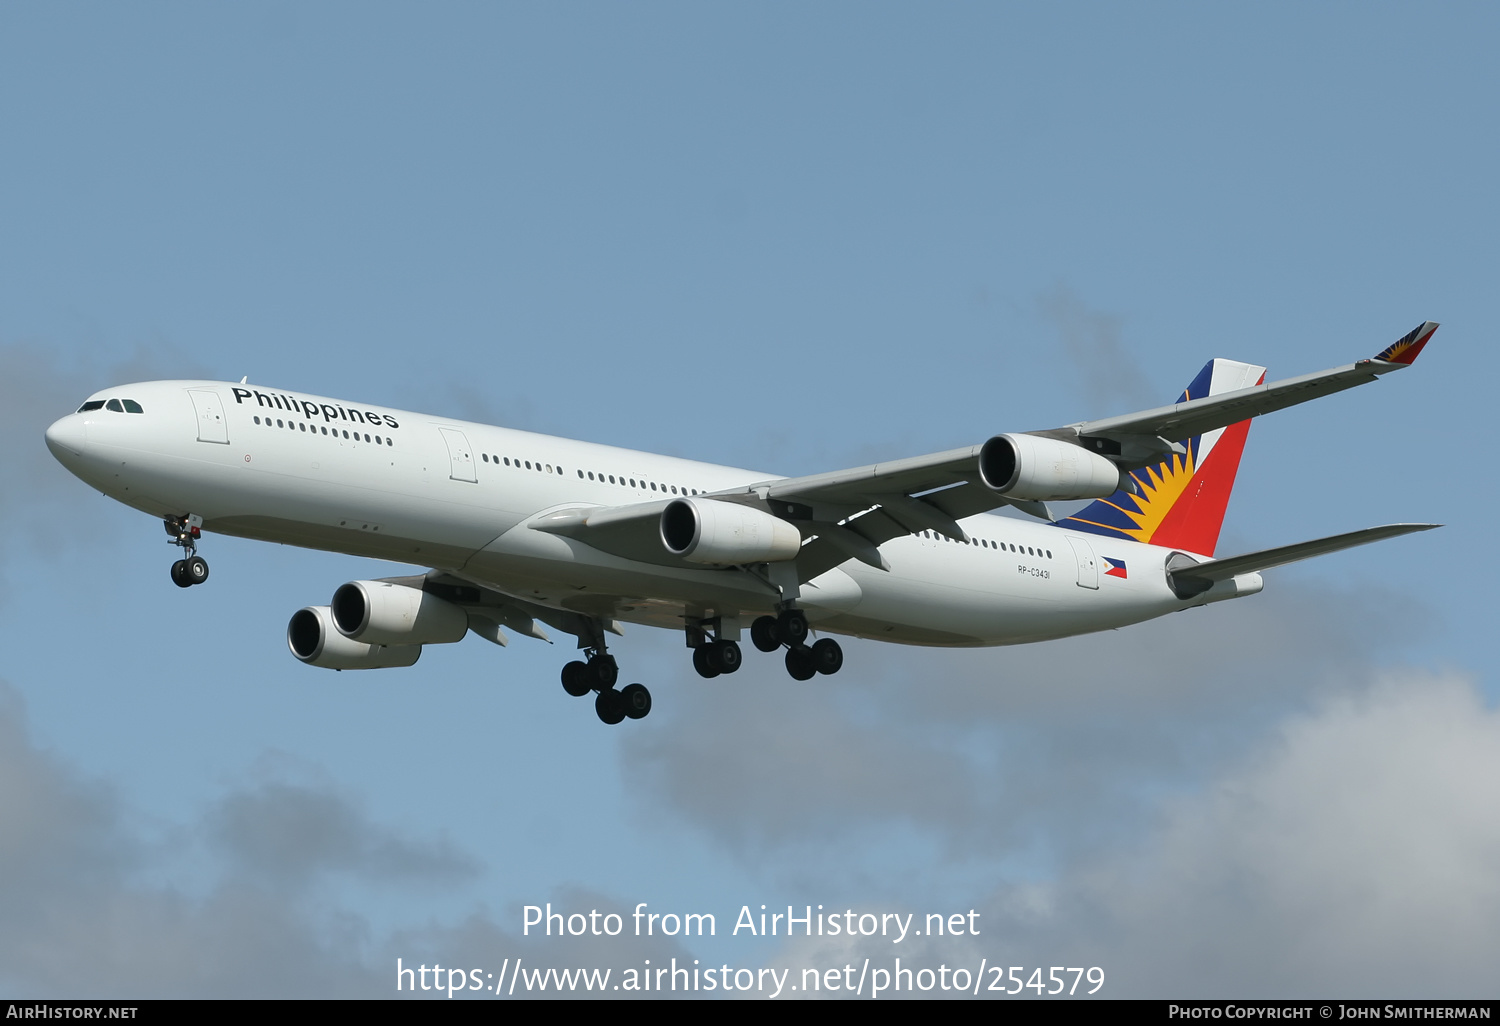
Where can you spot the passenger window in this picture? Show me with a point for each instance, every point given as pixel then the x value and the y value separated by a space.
pixel 302 426
pixel 485 456
pixel 279 423
pixel 114 406
pixel 325 430
pixel 257 420
pixel 131 406
pixel 90 407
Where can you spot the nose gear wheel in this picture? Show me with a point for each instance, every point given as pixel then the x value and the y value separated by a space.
pixel 184 532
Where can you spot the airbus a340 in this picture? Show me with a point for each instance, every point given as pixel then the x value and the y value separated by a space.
pixel 521 528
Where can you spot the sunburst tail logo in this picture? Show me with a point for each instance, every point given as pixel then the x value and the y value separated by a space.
pixel 1183 498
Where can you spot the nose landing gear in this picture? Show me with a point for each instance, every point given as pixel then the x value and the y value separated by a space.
pixel 185 531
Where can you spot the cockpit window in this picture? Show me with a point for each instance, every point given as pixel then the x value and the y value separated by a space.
pixel 97 404
pixel 114 406
pixel 131 406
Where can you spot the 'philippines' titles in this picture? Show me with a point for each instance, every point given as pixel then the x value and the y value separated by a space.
pixel 313 410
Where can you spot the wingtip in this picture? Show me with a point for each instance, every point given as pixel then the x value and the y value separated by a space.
pixel 1406 349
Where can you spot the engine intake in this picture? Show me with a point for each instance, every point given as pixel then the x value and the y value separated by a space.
pixel 378 613
pixel 311 637
pixel 726 533
pixel 1030 467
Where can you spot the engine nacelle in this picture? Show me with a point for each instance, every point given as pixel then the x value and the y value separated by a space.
pixel 312 638
pixel 1029 467
pixel 726 533
pixel 379 613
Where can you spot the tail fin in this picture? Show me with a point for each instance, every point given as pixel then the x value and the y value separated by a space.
pixel 1183 498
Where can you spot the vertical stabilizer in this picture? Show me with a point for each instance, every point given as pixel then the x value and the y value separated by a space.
pixel 1183 498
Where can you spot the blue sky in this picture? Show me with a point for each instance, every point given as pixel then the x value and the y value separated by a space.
pixel 795 238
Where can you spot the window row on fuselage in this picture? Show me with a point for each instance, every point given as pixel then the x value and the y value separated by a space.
pixel 986 543
pixel 589 475
pixel 290 425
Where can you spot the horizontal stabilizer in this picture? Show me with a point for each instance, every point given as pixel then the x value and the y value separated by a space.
pixel 1250 562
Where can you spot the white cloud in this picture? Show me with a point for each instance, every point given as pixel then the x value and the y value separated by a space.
pixel 1355 851
pixel 78 919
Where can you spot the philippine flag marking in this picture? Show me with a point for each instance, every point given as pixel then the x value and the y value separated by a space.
pixel 1116 568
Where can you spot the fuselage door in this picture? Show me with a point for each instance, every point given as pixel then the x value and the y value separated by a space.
pixel 460 456
pixel 211 424
pixel 1088 563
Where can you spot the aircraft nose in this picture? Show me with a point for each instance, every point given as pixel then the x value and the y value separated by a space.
pixel 66 437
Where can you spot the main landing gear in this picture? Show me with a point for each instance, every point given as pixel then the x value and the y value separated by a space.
pixel 185 531
pixel 599 674
pixel 803 661
pixel 713 653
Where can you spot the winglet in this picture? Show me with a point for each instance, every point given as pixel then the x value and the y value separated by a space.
pixel 1406 350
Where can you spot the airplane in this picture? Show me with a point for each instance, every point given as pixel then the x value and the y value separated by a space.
pixel 519 529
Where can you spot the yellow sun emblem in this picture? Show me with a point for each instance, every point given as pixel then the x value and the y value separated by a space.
pixel 1163 485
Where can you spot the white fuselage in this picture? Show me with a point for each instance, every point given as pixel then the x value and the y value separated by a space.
pixel 458 496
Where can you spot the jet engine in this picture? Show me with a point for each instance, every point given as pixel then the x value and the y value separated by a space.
pixel 726 533
pixel 1040 469
pixel 380 613
pixel 312 639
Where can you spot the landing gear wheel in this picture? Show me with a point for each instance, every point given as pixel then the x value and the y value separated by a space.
pixel 636 701
pixel 605 672
pixel 799 663
pixel 197 569
pixel 725 656
pixel 610 706
pixel 791 627
pixel 827 656
pixel 180 574
pixel 763 634
pixel 575 679
pixel 703 662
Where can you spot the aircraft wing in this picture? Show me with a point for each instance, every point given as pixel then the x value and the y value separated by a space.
pixel 848 514
pixel 1139 439
pixel 1223 569
pixel 854 511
